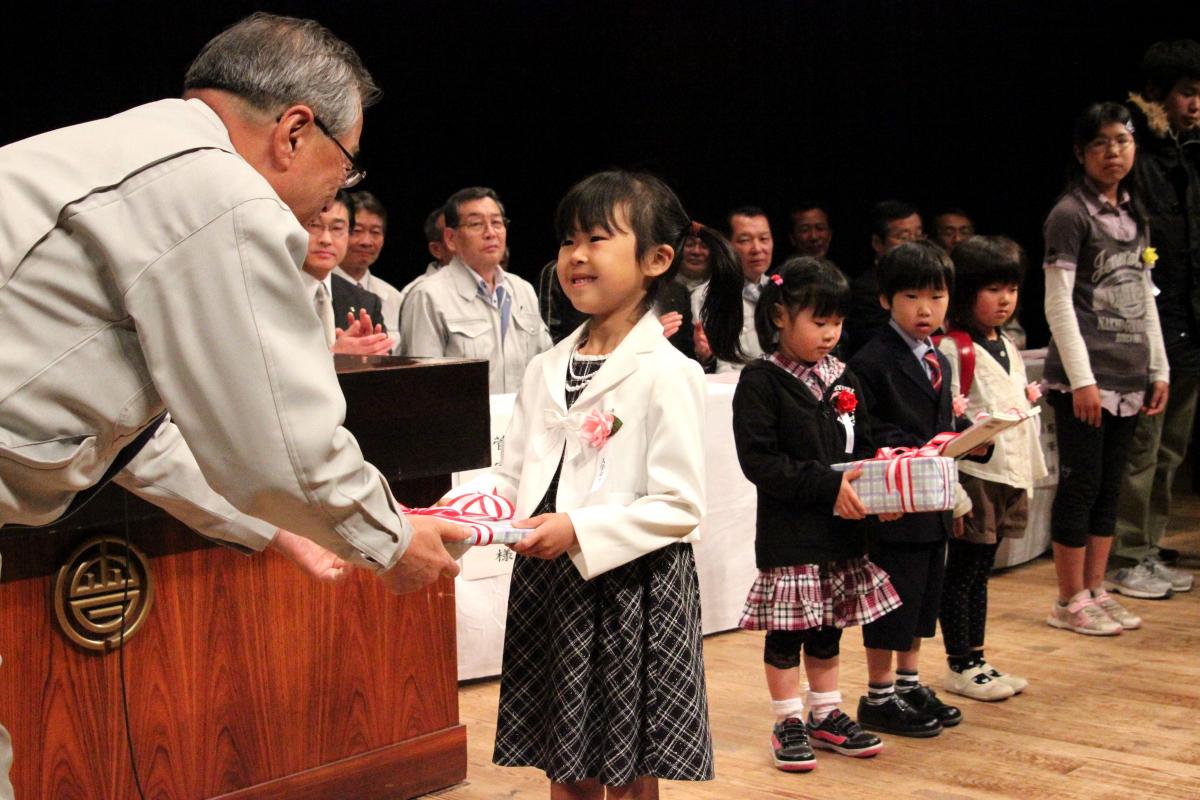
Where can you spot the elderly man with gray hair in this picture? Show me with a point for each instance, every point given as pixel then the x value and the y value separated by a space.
pixel 154 255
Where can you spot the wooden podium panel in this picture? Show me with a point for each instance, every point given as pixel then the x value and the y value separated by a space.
pixel 247 679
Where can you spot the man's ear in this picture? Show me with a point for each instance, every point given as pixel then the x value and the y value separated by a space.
pixel 450 239
pixel 291 134
pixel 885 302
pixel 658 260
pixel 877 244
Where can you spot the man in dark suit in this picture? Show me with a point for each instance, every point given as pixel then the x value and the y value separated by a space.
pixel 906 388
pixel 352 317
pixel 892 223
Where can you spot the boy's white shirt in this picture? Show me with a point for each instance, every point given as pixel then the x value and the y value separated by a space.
pixel 1017 458
pixel 644 489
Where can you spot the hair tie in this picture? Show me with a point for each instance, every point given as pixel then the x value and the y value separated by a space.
pixel 776 279
pixel 696 228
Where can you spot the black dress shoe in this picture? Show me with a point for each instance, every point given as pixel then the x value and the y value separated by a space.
pixel 898 717
pixel 1168 555
pixel 925 699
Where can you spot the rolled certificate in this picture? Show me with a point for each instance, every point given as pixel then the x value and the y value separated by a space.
pixel 486 518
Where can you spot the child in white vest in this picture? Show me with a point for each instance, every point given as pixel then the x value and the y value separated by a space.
pixel 987 367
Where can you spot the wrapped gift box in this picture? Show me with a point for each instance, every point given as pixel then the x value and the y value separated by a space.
pixel 905 483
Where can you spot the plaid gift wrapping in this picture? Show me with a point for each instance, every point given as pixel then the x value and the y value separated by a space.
pixel 908 481
pixel 838 594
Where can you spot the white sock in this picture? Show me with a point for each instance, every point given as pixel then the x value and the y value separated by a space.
pixel 792 707
pixel 822 704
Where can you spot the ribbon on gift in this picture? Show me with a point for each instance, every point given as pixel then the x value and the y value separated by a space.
pixel 898 475
pixel 487 518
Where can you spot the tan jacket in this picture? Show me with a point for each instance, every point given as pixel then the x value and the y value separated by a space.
pixel 144 266
pixel 444 315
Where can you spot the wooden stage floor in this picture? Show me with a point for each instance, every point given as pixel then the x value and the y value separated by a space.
pixel 1104 717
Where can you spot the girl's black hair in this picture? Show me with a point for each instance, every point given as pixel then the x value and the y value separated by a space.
pixel 801 282
pixel 654 213
pixel 980 262
pixel 914 265
pixel 721 314
pixel 1087 127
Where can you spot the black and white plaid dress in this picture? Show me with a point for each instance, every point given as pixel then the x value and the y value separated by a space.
pixel 604 678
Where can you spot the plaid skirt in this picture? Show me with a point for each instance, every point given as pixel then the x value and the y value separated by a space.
pixel 605 678
pixel 836 594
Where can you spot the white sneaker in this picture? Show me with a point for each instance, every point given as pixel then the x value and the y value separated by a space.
pixel 976 683
pixel 1117 612
pixel 1139 581
pixel 1017 683
pixel 1082 615
pixel 1179 580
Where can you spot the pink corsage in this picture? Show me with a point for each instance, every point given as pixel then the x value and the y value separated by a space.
pixel 776 279
pixel 1033 392
pixel 845 401
pixel 598 426
pixel 959 405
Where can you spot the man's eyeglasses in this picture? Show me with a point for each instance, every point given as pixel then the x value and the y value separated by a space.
pixel 354 173
pixel 478 226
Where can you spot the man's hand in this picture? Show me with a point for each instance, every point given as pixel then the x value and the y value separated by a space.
pixel 361 338
pixel 426 558
pixel 700 342
pixel 310 557
pixel 891 516
pixel 671 322
pixel 553 535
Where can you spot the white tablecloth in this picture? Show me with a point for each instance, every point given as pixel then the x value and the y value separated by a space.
pixel 724 554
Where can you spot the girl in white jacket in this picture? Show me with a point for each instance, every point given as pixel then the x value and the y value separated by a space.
pixel 987 275
pixel 603 678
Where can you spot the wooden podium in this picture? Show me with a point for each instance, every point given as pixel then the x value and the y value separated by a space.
pixel 247 679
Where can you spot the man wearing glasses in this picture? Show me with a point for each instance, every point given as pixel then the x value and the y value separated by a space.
pixel 151 262
pixel 472 308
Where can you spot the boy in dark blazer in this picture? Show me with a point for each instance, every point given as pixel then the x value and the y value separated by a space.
pixel 906 384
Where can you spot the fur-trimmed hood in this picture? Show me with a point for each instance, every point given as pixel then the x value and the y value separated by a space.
pixel 1155 115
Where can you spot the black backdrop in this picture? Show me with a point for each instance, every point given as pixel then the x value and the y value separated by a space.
pixel 755 101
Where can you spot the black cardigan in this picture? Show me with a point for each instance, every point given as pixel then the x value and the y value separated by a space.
pixel 905 412
pixel 786 441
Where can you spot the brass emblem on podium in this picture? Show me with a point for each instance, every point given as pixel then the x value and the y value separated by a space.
pixel 97 582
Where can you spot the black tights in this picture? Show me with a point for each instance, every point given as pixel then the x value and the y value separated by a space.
pixel 964 595
pixel 782 648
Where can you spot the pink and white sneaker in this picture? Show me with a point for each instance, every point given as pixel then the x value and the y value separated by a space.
pixel 1082 615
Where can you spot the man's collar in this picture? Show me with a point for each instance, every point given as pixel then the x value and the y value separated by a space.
pixel 341 273
pixel 310 283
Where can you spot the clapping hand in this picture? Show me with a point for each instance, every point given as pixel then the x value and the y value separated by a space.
pixel 361 338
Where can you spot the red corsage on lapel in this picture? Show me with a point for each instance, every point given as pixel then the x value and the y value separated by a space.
pixel 844 400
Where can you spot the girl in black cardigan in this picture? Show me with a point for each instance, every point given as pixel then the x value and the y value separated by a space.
pixel 797 411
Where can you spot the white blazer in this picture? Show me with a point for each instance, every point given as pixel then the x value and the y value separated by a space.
pixel 644 489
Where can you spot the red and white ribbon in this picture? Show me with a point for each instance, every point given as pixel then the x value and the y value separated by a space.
pixel 898 476
pixel 487 518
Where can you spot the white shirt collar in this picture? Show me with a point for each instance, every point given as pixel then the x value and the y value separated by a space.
pixel 310 284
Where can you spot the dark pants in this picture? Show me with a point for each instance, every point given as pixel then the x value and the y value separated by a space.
pixel 1091 463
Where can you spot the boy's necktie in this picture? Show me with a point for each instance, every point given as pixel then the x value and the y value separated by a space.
pixel 935 369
